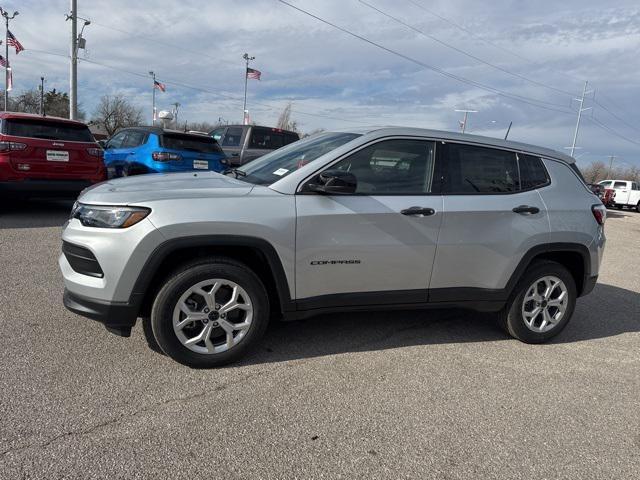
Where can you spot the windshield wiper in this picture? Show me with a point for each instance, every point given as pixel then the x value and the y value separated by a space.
pixel 236 171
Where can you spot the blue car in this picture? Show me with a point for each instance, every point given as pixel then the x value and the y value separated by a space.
pixel 138 150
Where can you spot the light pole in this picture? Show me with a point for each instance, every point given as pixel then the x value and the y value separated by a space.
pixel 42 96
pixel 247 59
pixel 7 17
pixel 153 98
pixel 175 114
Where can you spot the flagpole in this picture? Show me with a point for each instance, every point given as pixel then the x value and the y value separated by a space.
pixel 153 96
pixel 6 69
pixel 246 72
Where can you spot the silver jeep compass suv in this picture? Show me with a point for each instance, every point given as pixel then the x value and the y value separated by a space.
pixel 390 218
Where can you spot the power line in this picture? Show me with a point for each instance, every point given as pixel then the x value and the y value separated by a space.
pixel 633 127
pixel 463 52
pixel 482 39
pixel 601 125
pixel 513 96
pixel 201 89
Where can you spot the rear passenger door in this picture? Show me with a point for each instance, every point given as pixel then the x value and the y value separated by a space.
pixel 492 215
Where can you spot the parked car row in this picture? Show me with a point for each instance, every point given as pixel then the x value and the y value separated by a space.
pixel 49 155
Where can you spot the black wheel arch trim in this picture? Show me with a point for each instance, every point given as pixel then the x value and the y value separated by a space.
pixel 161 253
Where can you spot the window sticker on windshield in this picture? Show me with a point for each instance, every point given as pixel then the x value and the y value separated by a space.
pixel 280 171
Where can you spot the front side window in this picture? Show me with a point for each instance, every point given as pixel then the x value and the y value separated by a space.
pixel 134 139
pixel 471 169
pixel 217 134
pixel 232 137
pixel 117 140
pixel 278 164
pixel 605 184
pixel 532 172
pixel 392 167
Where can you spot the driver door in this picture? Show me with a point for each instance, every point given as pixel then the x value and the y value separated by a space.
pixel 369 247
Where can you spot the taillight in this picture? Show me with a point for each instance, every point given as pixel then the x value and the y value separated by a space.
pixel 9 146
pixel 165 156
pixel 599 213
pixel 95 152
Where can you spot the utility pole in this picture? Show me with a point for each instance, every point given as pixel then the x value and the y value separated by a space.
pixel 175 113
pixel 7 69
pixel 463 124
pixel 73 68
pixel 580 110
pixel 42 96
pixel 245 113
pixel 153 98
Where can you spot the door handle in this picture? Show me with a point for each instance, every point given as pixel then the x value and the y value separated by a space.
pixel 423 212
pixel 526 209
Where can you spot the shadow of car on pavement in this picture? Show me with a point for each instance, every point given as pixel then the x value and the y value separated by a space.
pixel 34 213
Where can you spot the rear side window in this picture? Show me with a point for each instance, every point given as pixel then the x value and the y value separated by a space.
pixel 266 139
pixel 47 130
pixel 192 143
pixel 470 169
pixel 620 185
pixel 634 186
pixel 232 137
pixel 532 172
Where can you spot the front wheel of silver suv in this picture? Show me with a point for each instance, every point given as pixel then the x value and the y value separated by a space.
pixel 542 303
pixel 210 313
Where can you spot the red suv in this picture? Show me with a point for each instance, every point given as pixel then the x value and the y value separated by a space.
pixel 47 155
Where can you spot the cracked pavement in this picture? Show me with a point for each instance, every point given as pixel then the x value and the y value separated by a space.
pixel 386 395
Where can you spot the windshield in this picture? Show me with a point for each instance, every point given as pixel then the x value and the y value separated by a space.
pixel 280 163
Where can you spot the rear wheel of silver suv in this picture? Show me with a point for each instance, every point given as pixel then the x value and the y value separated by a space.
pixel 210 313
pixel 542 303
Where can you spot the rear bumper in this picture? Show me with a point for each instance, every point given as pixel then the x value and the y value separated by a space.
pixel 117 317
pixel 45 186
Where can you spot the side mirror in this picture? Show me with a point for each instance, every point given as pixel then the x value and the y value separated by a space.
pixel 334 182
pixel 224 161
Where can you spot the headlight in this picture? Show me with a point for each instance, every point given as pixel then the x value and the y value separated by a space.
pixel 103 216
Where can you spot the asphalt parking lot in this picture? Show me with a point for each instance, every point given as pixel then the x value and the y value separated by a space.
pixel 391 395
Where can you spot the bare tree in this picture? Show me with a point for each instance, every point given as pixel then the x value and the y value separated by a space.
pixel 598 171
pixel 595 172
pixel 115 112
pixel 284 120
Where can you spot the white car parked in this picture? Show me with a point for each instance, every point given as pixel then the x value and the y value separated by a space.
pixel 627 193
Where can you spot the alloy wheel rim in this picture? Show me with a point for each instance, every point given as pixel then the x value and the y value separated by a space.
pixel 545 304
pixel 212 316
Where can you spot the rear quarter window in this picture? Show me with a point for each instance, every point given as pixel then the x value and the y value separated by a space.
pixel 47 130
pixel 192 143
pixel 532 172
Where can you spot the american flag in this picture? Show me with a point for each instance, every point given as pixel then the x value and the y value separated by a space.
pixel 253 73
pixel 159 86
pixel 3 61
pixel 13 42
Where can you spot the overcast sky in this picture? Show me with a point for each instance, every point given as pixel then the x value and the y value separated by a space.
pixel 525 53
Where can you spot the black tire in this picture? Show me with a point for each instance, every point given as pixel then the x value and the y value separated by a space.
pixel 511 318
pixel 130 170
pixel 188 276
pixel 619 206
pixel 638 207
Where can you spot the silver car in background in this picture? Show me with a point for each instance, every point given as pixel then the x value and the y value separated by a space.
pixel 386 218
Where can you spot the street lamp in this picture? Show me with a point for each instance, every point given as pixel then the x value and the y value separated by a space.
pixel 7 17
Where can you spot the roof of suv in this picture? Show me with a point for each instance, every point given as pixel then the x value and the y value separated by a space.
pixel 463 137
pixel 36 116
pixel 275 129
pixel 161 130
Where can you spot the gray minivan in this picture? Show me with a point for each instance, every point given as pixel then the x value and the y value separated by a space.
pixel 243 143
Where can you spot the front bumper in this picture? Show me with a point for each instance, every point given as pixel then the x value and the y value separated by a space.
pixel 117 317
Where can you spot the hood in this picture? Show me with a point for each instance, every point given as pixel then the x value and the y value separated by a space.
pixel 164 186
